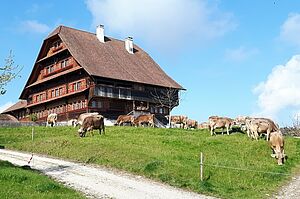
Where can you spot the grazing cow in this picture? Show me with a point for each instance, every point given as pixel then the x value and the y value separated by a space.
pixel 125 119
pixel 72 122
pixel 90 123
pixel 82 117
pixel 51 119
pixel 276 143
pixel 192 124
pixel 179 119
pixel 219 122
pixel 258 126
pixel 203 125
pixel 144 119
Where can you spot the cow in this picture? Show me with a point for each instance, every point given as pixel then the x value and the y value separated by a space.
pixel 276 143
pixel 82 117
pixel 215 122
pixel 72 122
pixel 51 119
pixel 125 119
pixel 179 119
pixel 240 121
pixel 203 125
pixel 258 126
pixel 144 119
pixel 90 123
pixel 192 124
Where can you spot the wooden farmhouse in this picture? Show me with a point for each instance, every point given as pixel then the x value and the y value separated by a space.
pixel 78 71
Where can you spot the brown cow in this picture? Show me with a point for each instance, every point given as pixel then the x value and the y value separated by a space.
pixel 192 124
pixel 179 119
pixel 257 126
pixel 144 119
pixel 277 145
pixel 215 122
pixel 82 117
pixel 90 123
pixel 125 119
pixel 203 125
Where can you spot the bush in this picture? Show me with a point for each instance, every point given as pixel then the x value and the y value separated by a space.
pixel 33 117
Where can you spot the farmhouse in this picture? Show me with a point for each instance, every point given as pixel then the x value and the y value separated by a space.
pixel 78 71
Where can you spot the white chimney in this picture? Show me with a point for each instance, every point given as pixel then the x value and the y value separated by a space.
pixel 129 44
pixel 100 33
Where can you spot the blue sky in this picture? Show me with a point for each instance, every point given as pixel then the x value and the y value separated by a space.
pixel 233 57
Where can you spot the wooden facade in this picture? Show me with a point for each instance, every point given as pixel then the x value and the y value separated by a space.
pixel 60 84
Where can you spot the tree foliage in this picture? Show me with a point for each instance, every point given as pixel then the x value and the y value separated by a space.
pixel 8 72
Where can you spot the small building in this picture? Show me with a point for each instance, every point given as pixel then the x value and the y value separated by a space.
pixel 78 71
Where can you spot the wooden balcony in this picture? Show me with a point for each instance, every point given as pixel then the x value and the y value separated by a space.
pixel 122 93
pixel 65 93
pixel 57 68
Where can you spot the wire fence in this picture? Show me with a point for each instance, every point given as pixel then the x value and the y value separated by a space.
pixel 202 164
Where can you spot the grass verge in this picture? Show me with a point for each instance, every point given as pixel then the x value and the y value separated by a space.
pixel 18 182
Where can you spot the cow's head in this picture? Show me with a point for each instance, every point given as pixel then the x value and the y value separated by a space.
pixel 81 132
pixel 279 154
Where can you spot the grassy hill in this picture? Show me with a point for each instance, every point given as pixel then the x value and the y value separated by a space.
pixel 169 155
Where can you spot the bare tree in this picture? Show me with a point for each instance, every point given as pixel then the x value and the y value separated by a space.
pixel 8 72
pixel 166 97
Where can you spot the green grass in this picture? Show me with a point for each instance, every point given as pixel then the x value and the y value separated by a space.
pixel 18 182
pixel 168 155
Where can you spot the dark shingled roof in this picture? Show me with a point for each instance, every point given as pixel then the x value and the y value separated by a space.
pixel 111 60
pixel 20 104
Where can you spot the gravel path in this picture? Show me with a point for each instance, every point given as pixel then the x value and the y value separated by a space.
pixel 291 190
pixel 98 182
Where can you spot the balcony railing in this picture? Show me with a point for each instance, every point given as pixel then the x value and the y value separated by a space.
pixel 122 93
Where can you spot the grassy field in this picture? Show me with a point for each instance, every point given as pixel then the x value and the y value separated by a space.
pixel 17 182
pixel 168 155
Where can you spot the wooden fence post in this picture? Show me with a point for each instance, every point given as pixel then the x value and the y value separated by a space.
pixel 201 166
pixel 32 133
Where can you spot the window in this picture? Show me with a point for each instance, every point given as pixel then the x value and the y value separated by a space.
pixel 76 86
pixel 64 63
pixel 56 44
pixel 161 110
pixel 50 69
pixel 109 92
pixel 60 91
pixel 52 93
pixel 56 92
pixel 94 104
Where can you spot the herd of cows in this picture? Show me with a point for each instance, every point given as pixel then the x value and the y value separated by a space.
pixel 254 127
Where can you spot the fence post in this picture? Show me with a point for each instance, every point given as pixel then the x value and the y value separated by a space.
pixel 201 166
pixel 32 133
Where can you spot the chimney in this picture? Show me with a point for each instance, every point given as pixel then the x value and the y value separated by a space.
pixel 129 44
pixel 100 33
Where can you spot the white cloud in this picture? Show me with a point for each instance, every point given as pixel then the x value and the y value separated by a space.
pixel 166 23
pixel 280 92
pixel 240 54
pixel 290 29
pixel 5 106
pixel 33 26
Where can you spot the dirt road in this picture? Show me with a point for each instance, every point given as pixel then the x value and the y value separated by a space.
pixel 98 182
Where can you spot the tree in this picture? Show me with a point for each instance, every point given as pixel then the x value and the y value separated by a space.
pixel 8 72
pixel 166 97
